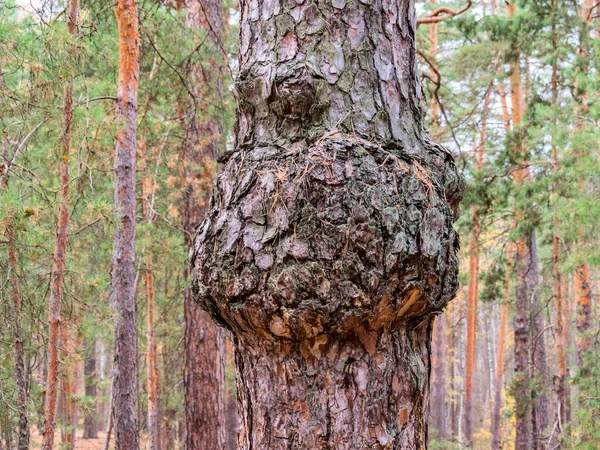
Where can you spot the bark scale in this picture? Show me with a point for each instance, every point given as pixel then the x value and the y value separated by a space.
pixel 60 249
pixel 204 368
pixel 328 246
pixel 124 389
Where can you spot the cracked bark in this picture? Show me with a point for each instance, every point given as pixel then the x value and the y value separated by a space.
pixel 328 246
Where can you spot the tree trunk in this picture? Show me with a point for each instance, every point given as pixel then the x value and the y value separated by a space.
pixel 153 380
pixel 438 376
pixel 330 228
pixel 496 417
pixel 68 386
pixel 473 292
pixel 60 248
pixel 204 368
pixel 583 294
pixel 20 373
pixel 559 315
pixel 582 271
pixel 538 347
pixel 90 424
pixel 522 379
pixel 124 389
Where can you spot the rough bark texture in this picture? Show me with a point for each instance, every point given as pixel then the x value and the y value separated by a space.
pixel 328 246
pixel 20 373
pixel 90 422
pixel 60 248
pixel 124 390
pixel 204 369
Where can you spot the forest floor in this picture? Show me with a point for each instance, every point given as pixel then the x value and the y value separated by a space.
pixel 80 444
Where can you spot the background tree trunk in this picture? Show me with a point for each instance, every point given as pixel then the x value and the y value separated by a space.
pixel 303 230
pixel 153 376
pixel 20 373
pixel 204 368
pixel 90 422
pixel 60 249
pixel 124 389
pixel 496 417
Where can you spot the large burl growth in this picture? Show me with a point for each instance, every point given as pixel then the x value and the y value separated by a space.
pixel 328 247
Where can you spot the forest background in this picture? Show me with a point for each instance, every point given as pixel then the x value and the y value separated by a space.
pixel 511 90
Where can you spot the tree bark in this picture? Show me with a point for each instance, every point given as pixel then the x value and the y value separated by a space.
pixel 124 389
pixel 90 424
pixel 20 373
pixel 496 417
pixel 438 376
pixel 68 386
pixel 204 368
pixel 60 248
pixel 583 294
pixel 153 376
pixel 559 381
pixel 330 229
pixel 473 291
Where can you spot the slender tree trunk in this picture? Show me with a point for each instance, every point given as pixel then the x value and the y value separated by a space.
pixel 329 294
pixel 438 375
pixel 502 335
pixel 90 422
pixel 559 316
pixel 204 368
pixel 153 381
pixel 473 292
pixel 60 248
pixel 124 389
pixel 20 373
pixel 452 346
pixel 109 424
pixel 538 347
pixel 582 271
pixel 522 377
pixel 68 386
pixel 583 295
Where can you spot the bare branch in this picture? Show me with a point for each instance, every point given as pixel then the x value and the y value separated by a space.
pixel 443 13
